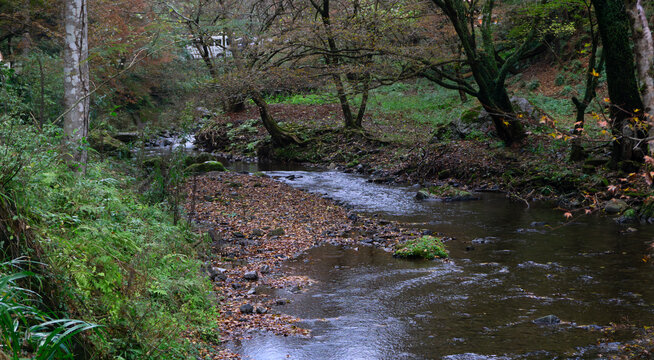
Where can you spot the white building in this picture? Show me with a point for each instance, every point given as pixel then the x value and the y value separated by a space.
pixel 218 46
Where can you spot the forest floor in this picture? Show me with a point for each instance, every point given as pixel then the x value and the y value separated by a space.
pixel 257 223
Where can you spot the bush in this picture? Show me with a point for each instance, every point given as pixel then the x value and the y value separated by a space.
pixel 427 247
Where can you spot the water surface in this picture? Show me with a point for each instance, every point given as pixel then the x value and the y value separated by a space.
pixel 479 305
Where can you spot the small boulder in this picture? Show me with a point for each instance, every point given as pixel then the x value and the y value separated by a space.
pixel 257 233
pixel 246 309
pixel 261 310
pixel 101 141
pixel 251 276
pixel 217 274
pixel 204 167
pixel 547 320
pixel 281 302
pixel 615 206
pixel 276 232
pixel 198 159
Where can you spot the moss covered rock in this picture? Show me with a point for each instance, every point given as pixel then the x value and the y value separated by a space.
pixel 198 159
pixel 101 141
pixel 445 193
pixel 427 247
pixel 615 206
pixel 204 167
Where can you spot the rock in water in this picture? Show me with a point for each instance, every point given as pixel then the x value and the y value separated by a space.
pixel 547 320
pixel 615 206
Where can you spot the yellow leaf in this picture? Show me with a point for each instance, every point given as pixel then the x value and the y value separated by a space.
pixel 594 73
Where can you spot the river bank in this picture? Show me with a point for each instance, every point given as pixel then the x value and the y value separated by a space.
pixel 256 224
pixel 538 169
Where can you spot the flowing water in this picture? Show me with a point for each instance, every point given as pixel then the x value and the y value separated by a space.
pixel 510 265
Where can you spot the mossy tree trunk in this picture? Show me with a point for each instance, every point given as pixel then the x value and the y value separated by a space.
pixel 621 80
pixel 488 69
pixel 279 137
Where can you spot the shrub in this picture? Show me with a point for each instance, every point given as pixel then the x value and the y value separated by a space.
pixel 427 247
pixel 25 328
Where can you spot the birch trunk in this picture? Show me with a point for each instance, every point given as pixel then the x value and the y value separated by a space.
pixel 76 77
pixel 644 49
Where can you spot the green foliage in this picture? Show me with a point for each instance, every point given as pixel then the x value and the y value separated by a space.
pixel 427 247
pixel 115 259
pixel 533 84
pixel 122 261
pixel 25 328
pixel 557 107
pixel 21 94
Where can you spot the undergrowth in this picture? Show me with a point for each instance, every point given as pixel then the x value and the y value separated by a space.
pixel 114 258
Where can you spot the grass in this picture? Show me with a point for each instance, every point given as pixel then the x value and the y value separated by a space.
pixel 303 99
pixel 427 247
pixel 407 112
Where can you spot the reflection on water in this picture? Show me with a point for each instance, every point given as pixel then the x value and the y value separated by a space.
pixel 368 305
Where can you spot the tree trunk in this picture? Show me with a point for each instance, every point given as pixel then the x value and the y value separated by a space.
pixel 76 77
pixel 332 60
pixel 494 98
pixel 621 79
pixel 644 50
pixel 593 70
pixel 279 137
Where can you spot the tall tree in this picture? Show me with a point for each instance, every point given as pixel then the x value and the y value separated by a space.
pixel 644 50
pixel 625 98
pixel 592 80
pixel 488 68
pixel 332 59
pixel 76 76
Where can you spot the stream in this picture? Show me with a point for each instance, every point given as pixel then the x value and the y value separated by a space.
pixel 510 265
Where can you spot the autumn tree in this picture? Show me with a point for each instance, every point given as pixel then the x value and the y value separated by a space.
pixel 256 51
pixel 76 76
pixel 203 21
pixel 130 47
pixel 625 98
pixel 594 68
pixel 354 39
pixel 473 24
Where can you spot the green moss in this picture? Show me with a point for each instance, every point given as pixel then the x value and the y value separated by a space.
pixel 101 141
pixel 448 191
pixel 427 247
pixel 204 167
pixel 203 157
pixel 629 214
pixel 470 116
